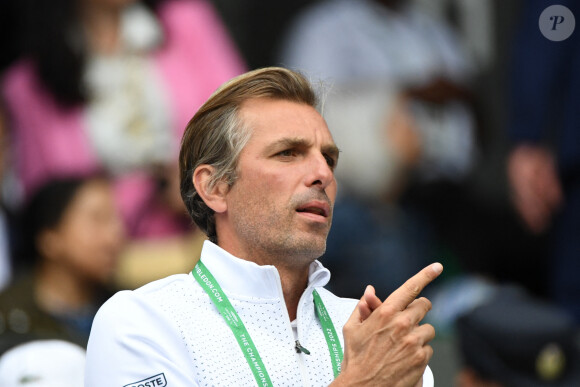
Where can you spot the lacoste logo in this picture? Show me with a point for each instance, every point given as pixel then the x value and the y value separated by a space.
pixel 152 381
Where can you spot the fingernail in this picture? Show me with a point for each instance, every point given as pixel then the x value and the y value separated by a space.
pixel 437 268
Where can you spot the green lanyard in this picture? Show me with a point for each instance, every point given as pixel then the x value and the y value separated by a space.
pixel 208 283
pixel 330 335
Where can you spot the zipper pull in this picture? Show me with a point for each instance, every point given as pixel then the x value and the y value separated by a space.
pixel 300 348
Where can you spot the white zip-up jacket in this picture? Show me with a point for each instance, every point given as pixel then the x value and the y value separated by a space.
pixel 169 333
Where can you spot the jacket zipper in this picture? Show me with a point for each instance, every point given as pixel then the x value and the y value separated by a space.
pixel 300 348
pixel 298 354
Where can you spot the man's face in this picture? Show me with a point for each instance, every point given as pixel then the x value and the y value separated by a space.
pixel 281 204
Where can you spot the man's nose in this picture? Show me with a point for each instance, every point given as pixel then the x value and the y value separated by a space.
pixel 321 173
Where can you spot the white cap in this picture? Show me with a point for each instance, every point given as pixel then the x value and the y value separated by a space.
pixel 43 363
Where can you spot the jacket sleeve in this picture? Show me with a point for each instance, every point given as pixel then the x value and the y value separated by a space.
pixel 132 343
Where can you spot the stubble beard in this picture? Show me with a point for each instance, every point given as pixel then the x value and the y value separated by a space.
pixel 276 241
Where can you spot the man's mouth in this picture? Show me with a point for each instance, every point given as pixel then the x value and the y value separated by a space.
pixel 316 208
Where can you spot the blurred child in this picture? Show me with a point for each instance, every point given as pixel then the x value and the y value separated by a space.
pixel 75 236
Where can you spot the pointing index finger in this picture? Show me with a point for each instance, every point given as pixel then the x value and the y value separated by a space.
pixel 407 292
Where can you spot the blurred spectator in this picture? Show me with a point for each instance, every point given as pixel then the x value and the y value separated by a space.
pixel 473 20
pixel 379 147
pixel 544 165
pixel 399 106
pixel 43 363
pixel 393 42
pixel 74 235
pixel 109 85
pixel 514 340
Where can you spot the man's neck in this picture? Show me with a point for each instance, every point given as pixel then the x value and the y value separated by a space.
pixel 293 272
pixel 293 279
pixel 294 283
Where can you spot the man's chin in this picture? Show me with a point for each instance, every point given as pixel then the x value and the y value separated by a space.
pixel 312 248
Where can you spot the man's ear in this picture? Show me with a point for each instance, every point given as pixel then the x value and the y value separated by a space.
pixel 214 197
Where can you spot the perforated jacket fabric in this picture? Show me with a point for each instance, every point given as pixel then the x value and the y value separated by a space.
pixel 168 333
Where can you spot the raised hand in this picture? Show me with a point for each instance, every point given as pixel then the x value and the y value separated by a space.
pixel 384 343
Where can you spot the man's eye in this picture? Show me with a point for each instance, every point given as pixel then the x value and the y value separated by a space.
pixel 287 153
pixel 330 161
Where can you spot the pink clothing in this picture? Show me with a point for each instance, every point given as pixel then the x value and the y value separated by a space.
pixel 196 57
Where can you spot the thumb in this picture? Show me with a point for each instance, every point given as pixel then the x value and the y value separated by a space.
pixel 371 298
pixel 361 312
pixel 368 302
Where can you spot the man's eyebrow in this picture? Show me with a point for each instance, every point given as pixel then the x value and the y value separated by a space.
pixel 297 142
pixel 287 142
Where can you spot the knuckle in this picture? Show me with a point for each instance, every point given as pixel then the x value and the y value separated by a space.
pixel 403 323
pixel 425 301
pixel 386 311
pixel 412 341
pixel 421 357
pixel 347 329
pixel 412 287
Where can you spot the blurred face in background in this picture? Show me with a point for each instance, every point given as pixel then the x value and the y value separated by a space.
pixel 88 239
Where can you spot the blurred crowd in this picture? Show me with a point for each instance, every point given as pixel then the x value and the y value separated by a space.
pixel 458 123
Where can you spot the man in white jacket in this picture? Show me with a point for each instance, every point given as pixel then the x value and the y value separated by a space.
pixel 257 175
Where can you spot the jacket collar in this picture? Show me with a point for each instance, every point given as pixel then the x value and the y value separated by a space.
pixel 244 278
